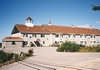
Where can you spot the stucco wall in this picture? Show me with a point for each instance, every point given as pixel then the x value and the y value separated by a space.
pixel 9 44
pixel 49 39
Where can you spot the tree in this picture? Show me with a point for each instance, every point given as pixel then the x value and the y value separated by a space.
pixel 95 8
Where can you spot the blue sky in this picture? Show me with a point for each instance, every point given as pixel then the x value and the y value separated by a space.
pixel 60 12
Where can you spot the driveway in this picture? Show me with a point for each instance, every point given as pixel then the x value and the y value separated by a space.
pixel 46 58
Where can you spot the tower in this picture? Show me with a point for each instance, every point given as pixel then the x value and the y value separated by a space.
pixel 29 22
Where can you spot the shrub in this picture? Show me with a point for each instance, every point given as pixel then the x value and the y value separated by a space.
pixel 10 56
pixel 30 52
pixel 68 47
pixel 17 57
pixel 3 57
pixel 98 49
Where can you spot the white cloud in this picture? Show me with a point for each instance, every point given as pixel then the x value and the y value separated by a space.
pixel 97 22
pixel 86 26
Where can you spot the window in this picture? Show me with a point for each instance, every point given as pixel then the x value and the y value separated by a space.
pixel 94 36
pixel 69 36
pixel 13 43
pixel 43 42
pixel 34 35
pixel 62 35
pixel 30 36
pixel 56 42
pixel 81 42
pixel 85 36
pixel 26 35
pixel 74 36
pixel 94 41
pixel 42 35
pixel 25 43
pixel 91 36
pixel 80 36
pixel 23 35
pixel 57 35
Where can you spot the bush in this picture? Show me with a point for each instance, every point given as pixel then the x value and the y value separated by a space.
pixel 68 47
pixel 10 56
pixel 30 52
pixel 5 56
pixel 16 57
pixel 98 49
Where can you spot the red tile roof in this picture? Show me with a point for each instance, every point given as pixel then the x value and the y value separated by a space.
pixel 23 28
pixel 57 29
pixel 12 39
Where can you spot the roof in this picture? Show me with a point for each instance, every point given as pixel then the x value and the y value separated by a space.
pixel 28 18
pixel 12 39
pixel 56 29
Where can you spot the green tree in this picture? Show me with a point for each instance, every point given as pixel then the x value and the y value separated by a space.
pixel 68 47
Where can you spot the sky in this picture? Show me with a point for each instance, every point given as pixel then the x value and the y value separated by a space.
pixel 60 12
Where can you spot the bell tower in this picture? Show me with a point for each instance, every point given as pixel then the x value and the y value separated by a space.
pixel 29 22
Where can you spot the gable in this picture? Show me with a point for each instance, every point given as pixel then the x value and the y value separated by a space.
pixel 15 30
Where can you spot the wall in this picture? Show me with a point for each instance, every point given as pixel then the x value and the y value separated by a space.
pixel 50 39
pixel 9 44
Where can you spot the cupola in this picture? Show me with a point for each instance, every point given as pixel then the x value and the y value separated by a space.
pixel 29 22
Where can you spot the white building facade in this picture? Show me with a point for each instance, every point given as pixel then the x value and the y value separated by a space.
pixel 47 35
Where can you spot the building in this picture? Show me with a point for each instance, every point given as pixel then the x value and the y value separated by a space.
pixel 13 42
pixel 48 34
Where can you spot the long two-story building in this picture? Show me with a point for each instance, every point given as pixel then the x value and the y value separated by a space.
pixel 48 34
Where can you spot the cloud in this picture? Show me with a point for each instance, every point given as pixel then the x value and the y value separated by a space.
pixel 97 22
pixel 86 26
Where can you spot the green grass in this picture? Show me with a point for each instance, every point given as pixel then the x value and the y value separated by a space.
pixel 90 49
